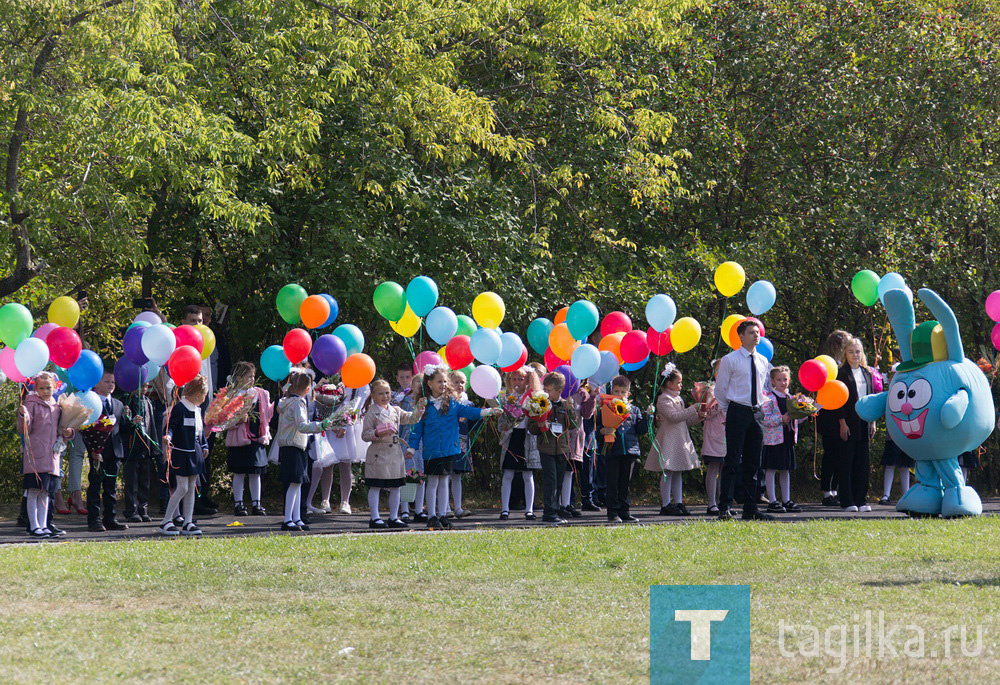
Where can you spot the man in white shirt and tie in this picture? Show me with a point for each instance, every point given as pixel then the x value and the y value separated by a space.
pixel 739 388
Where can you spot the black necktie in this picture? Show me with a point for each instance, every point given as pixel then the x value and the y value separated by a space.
pixel 107 407
pixel 753 382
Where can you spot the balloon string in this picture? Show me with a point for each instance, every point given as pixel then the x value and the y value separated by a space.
pixel 725 311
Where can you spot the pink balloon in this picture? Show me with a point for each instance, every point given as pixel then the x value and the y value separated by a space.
pixel 553 362
pixel 634 347
pixel 760 326
pixel 993 305
pixel 8 366
pixel 994 336
pixel 615 322
pixel 813 375
pixel 423 359
pixel 43 331
pixel 190 336
pixel 65 346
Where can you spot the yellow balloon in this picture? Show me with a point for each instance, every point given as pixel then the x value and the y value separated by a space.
pixel 685 334
pixel 488 309
pixel 209 337
pixel 729 278
pixel 64 311
pixel 726 329
pixel 408 325
pixel 444 357
pixel 831 366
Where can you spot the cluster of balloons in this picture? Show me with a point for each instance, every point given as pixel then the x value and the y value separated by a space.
pixel 869 288
pixel 819 375
pixel 993 311
pixel 297 306
pixel 729 330
pixel 27 353
pixel 151 343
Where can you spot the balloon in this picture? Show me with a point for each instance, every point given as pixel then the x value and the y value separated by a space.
pixel 615 322
pixel 297 345
pixel 190 336
pixel 423 359
pixel 390 300
pixel 488 310
pixel 421 295
pixel 637 365
pixel 86 372
pixel 760 297
pixel 726 329
pixel 729 278
pixel 169 325
pixel 314 311
pixel 812 375
pixel 132 345
pixel 659 343
pixel 760 326
pixel 485 345
pixel 586 361
pixel 138 324
pixel 31 356
pixel 466 326
pixel 510 349
pixel 351 335
pixel 184 364
pixel 734 336
pixel 572 383
pixel 552 360
pixel 831 366
pixel 408 325
pixel 441 325
pixel 92 401
pixel 864 285
pixel 275 364
pixel 152 370
pixel 561 341
pixel 561 316
pixel 289 300
pixel 8 366
pixel 521 361
pixel 766 349
pixel 64 311
pixel 358 371
pixel 334 310
pixel 608 369
pixel 208 340
pixel 485 381
pixel 65 346
pixel 458 353
pixel 538 334
pixel 992 306
pixel 833 395
pixel 158 343
pixel 42 332
pixel 612 343
pixel 329 354
pixel 128 376
pixel 891 281
pixel 15 324
pixel 685 334
pixel 994 336
pixel 660 312
pixel 152 318
pixel 582 319
pixel 634 347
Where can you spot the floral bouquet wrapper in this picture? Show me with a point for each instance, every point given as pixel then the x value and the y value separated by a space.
pixel 537 406
pixel 802 407
pixel 614 411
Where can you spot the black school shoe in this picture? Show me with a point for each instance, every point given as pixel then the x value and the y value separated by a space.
pixel 590 506
pixel 421 517
pixel 554 519
pixel 726 514
pixel 775 508
pixel 397 523
pixel 791 507
pixel 504 515
pixel 289 526
pixel 669 510
pixel 682 510
pixel 434 523
pixel 831 501
pixel 377 524
pixel 115 525
pixel 257 510
pixel 96 527
pixel 756 516
pixel 529 516
pixel 445 523
pixel 240 510
pixel 628 518
pixel 56 532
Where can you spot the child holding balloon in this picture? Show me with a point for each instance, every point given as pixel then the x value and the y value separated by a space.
pixel 186 447
pixel 518 448
pixel 673 451
pixel 463 461
pixel 780 435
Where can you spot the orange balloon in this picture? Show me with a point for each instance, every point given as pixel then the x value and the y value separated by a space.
pixel 314 311
pixel 734 337
pixel 561 318
pixel 833 395
pixel 358 371
pixel 561 341
pixel 612 343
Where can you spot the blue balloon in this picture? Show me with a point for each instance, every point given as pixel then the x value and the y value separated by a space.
pixel 586 361
pixel 760 297
pixel 582 318
pixel 92 401
pixel 572 383
pixel 891 281
pixel 486 346
pixel 607 370
pixel 87 371
pixel 510 349
pixel 351 335
pixel 334 310
pixel 637 365
pixel 441 325
pixel 421 295
pixel 766 349
pixel 538 334
pixel 152 369
pixel 660 312
pixel 275 364
pixel 329 354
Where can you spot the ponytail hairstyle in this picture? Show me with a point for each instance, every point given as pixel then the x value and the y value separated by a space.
pixel 299 381
pixel 430 372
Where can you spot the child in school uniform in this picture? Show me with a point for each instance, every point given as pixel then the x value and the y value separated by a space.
pixel 673 452
pixel 584 402
pixel 349 448
pixel 402 397
pixel 186 446
pixel 246 442
pixel 622 454
pixel 554 444
pixel 781 432
pixel 518 448
pixel 141 448
pixel 294 430
pixel 713 443
pixel 463 462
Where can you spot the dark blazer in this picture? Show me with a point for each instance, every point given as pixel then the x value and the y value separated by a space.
pixel 828 420
pixel 181 431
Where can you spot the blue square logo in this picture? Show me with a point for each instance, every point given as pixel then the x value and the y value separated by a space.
pixel 699 634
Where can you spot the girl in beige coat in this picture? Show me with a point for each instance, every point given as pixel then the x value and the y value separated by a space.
pixel 673 451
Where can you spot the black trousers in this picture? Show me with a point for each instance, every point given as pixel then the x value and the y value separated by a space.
pixel 744 442
pixel 553 467
pixel 618 471
pixel 852 460
pixel 828 479
pixel 135 474
pixel 102 480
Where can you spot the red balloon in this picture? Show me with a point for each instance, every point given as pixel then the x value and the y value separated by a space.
pixel 521 361
pixel 64 347
pixel 457 352
pixel 633 347
pixel 659 343
pixel 297 345
pixel 813 375
pixel 552 362
pixel 616 322
pixel 184 364
pixel 191 336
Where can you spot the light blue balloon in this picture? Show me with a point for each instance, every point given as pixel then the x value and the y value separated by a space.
pixel 92 401
pixel 486 346
pixel 766 349
pixel 354 339
pixel 660 312
pixel 510 349
pixel 152 370
pixel 891 281
pixel 158 343
pixel 538 334
pixel 275 364
pixel 586 361
pixel 607 370
pixel 637 365
pixel 760 297
pixel 87 371
pixel 441 325
pixel 421 295
pixel 582 319
pixel 31 356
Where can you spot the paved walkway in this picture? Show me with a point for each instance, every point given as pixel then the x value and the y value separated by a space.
pixel 221 525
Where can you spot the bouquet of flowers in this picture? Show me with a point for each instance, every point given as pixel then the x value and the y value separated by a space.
pixel 511 405
pixel 538 407
pixel 328 397
pixel 73 414
pixel 96 435
pixel 614 411
pixel 704 393
pixel 346 414
pixel 802 407
pixel 230 407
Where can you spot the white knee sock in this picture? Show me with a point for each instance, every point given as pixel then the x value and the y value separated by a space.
pixel 456 490
pixel 418 503
pixel 769 485
pixel 189 497
pixel 315 476
pixel 785 477
pixel 292 497
pixel 373 503
pixel 529 492
pixel 442 495
pixel 904 479
pixel 43 509
pixel 254 487
pixel 345 481
pixel 676 485
pixel 566 497
pixel 238 480
pixel 505 483
pixel 432 502
pixel 890 471
pixel 174 503
pixel 393 504
pixel 665 488
pixel 32 503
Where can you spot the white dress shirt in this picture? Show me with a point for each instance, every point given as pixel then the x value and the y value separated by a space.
pixel 732 383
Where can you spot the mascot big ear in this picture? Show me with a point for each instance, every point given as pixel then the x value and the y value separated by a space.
pixel 872 407
pixel 900 311
pixel 954 409
pixel 946 317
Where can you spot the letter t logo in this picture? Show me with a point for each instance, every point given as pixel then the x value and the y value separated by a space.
pixel 701 629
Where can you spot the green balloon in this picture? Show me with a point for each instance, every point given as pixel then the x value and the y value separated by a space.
pixel 864 285
pixel 15 323
pixel 390 300
pixel 289 300
pixel 468 372
pixel 466 326
pixel 169 325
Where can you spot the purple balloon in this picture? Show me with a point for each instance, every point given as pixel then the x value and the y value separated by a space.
pixel 572 383
pixel 43 331
pixel 329 354
pixel 133 345
pixel 149 317
pixel 128 376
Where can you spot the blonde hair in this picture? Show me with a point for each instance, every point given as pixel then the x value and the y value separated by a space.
pixel 196 386
pixel 554 380
pixel 857 341
pixel 780 369
pixel 376 384
pixel 299 381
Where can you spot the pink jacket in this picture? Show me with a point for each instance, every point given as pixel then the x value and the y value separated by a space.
pixel 774 434
pixel 713 442
pixel 239 435
pixel 42 425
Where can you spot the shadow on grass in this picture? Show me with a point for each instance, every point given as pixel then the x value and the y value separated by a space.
pixel 979 582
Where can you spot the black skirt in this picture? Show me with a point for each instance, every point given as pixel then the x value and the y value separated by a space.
pixel 385 482
pixel 892 455
pixel 969 460
pixel 514 455
pixel 779 457
pixel 244 459
pixel 442 466
pixel 293 465
pixel 42 481
pixel 186 463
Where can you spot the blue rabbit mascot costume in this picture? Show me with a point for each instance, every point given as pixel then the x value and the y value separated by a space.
pixel 938 405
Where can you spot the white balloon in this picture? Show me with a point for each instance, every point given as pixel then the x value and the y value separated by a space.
pixel 485 382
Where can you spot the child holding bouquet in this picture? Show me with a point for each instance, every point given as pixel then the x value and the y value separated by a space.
pixel 414 463
pixel 713 442
pixel 186 448
pixel 673 451
pixel 518 448
pixel 247 436
pixel 781 432
pixel 623 423
pixel 551 423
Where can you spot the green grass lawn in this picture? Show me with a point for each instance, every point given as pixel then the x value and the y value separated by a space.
pixel 497 606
